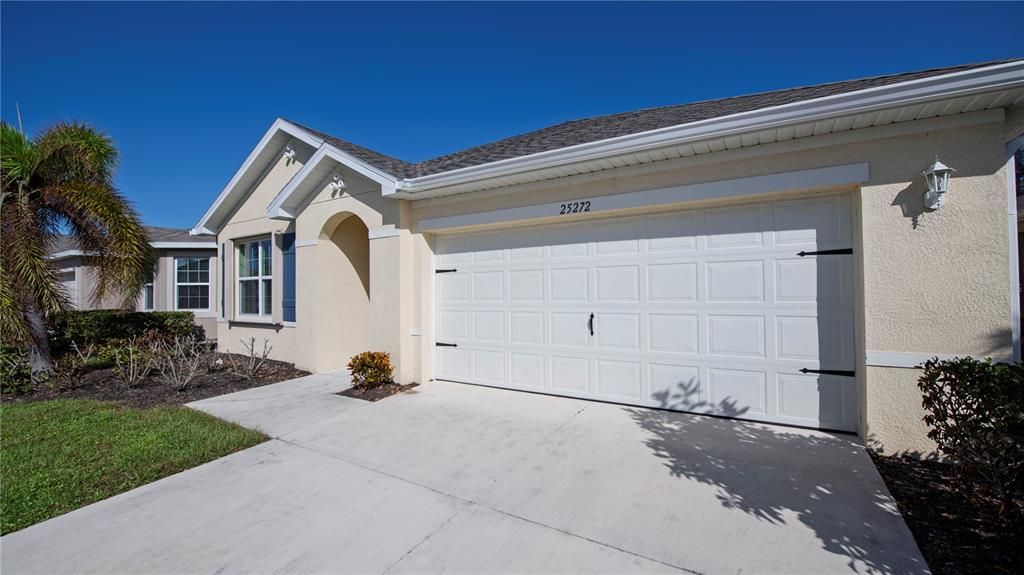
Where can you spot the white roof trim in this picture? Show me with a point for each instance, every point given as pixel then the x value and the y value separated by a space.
pixel 1004 76
pixel 277 208
pixel 184 245
pixel 204 226
pixel 957 84
pixel 65 254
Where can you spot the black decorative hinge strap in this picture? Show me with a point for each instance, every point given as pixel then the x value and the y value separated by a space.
pixel 440 344
pixel 446 271
pixel 829 372
pixel 836 252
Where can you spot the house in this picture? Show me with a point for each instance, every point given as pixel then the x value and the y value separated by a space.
pixel 182 279
pixel 770 257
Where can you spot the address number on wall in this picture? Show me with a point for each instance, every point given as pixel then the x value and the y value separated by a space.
pixel 574 207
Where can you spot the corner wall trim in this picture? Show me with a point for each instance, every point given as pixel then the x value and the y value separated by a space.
pixel 817 178
pixel 305 243
pixel 912 359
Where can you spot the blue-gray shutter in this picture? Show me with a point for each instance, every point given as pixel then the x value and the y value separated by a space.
pixel 288 287
pixel 223 278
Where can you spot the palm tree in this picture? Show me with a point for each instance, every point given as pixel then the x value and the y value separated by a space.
pixel 61 182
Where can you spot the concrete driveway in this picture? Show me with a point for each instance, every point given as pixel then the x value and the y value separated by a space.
pixel 465 479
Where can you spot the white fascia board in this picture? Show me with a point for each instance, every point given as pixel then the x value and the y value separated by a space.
pixel 277 208
pixel 184 245
pixel 955 85
pixel 205 226
pixel 65 254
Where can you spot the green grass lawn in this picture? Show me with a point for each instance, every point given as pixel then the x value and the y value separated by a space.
pixel 60 455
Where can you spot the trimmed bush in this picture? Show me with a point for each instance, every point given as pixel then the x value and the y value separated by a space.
pixel 976 414
pixel 371 368
pixel 102 327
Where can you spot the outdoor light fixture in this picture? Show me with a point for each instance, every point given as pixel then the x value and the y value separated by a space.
pixel 937 178
pixel 337 183
pixel 289 152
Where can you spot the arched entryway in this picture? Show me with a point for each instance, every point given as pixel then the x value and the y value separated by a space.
pixel 343 291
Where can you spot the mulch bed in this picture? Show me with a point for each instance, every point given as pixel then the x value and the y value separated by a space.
pixel 957 534
pixel 103 385
pixel 376 392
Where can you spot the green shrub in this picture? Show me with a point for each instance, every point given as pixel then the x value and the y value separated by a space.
pixel 976 414
pixel 103 327
pixel 15 370
pixel 371 368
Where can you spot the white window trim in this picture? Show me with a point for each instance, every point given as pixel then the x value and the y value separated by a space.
pixel 265 315
pixel 208 283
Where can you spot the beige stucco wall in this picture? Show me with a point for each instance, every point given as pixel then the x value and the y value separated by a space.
pixel 929 282
pixel 163 287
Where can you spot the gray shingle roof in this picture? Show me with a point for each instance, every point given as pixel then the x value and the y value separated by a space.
pixel 587 130
pixel 65 243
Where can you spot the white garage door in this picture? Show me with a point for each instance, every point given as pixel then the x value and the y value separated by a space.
pixel 712 311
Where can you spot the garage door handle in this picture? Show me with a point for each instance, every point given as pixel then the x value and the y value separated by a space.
pixel 590 323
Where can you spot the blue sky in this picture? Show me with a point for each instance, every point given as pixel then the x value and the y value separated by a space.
pixel 187 89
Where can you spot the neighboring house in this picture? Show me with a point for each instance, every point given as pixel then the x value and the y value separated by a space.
pixel 184 279
pixel 767 256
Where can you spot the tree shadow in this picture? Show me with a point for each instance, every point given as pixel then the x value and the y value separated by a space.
pixel 773 473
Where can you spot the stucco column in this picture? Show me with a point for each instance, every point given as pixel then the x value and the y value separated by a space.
pixel 390 299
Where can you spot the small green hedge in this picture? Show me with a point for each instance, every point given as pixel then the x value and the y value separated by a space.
pixel 97 327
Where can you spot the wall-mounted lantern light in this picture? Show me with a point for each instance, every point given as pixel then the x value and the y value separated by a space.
pixel 937 178
pixel 289 152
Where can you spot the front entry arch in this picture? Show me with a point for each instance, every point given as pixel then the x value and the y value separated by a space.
pixel 343 291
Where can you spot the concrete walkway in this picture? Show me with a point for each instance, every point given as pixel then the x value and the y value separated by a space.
pixel 466 479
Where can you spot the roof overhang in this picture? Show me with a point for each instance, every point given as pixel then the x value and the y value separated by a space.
pixel 998 85
pixel 184 245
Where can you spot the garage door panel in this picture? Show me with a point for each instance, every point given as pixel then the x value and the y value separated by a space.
pixel 672 282
pixel 453 324
pixel 489 326
pixel 570 285
pixel 817 400
pixel 736 335
pixel 673 333
pixel 676 386
pixel 526 286
pixel 526 327
pixel 732 228
pixel 526 370
pixel 619 379
pixel 735 281
pixel 617 284
pixel 570 374
pixel 737 393
pixel 710 311
pixel 489 366
pixel 614 331
pixel 570 329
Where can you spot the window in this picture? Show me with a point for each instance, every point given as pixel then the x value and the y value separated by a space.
pixel 254 278
pixel 147 297
pixel 192 283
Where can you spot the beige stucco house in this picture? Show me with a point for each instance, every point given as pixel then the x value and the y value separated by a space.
pixel 184 278
pixel 768 257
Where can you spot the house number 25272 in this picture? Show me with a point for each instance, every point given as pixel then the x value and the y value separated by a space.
pixel 575 207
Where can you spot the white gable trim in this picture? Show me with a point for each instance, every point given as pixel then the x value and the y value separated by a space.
pixel 207 225
pixel 279 208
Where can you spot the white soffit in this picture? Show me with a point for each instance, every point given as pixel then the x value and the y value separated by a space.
pixel 975 90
